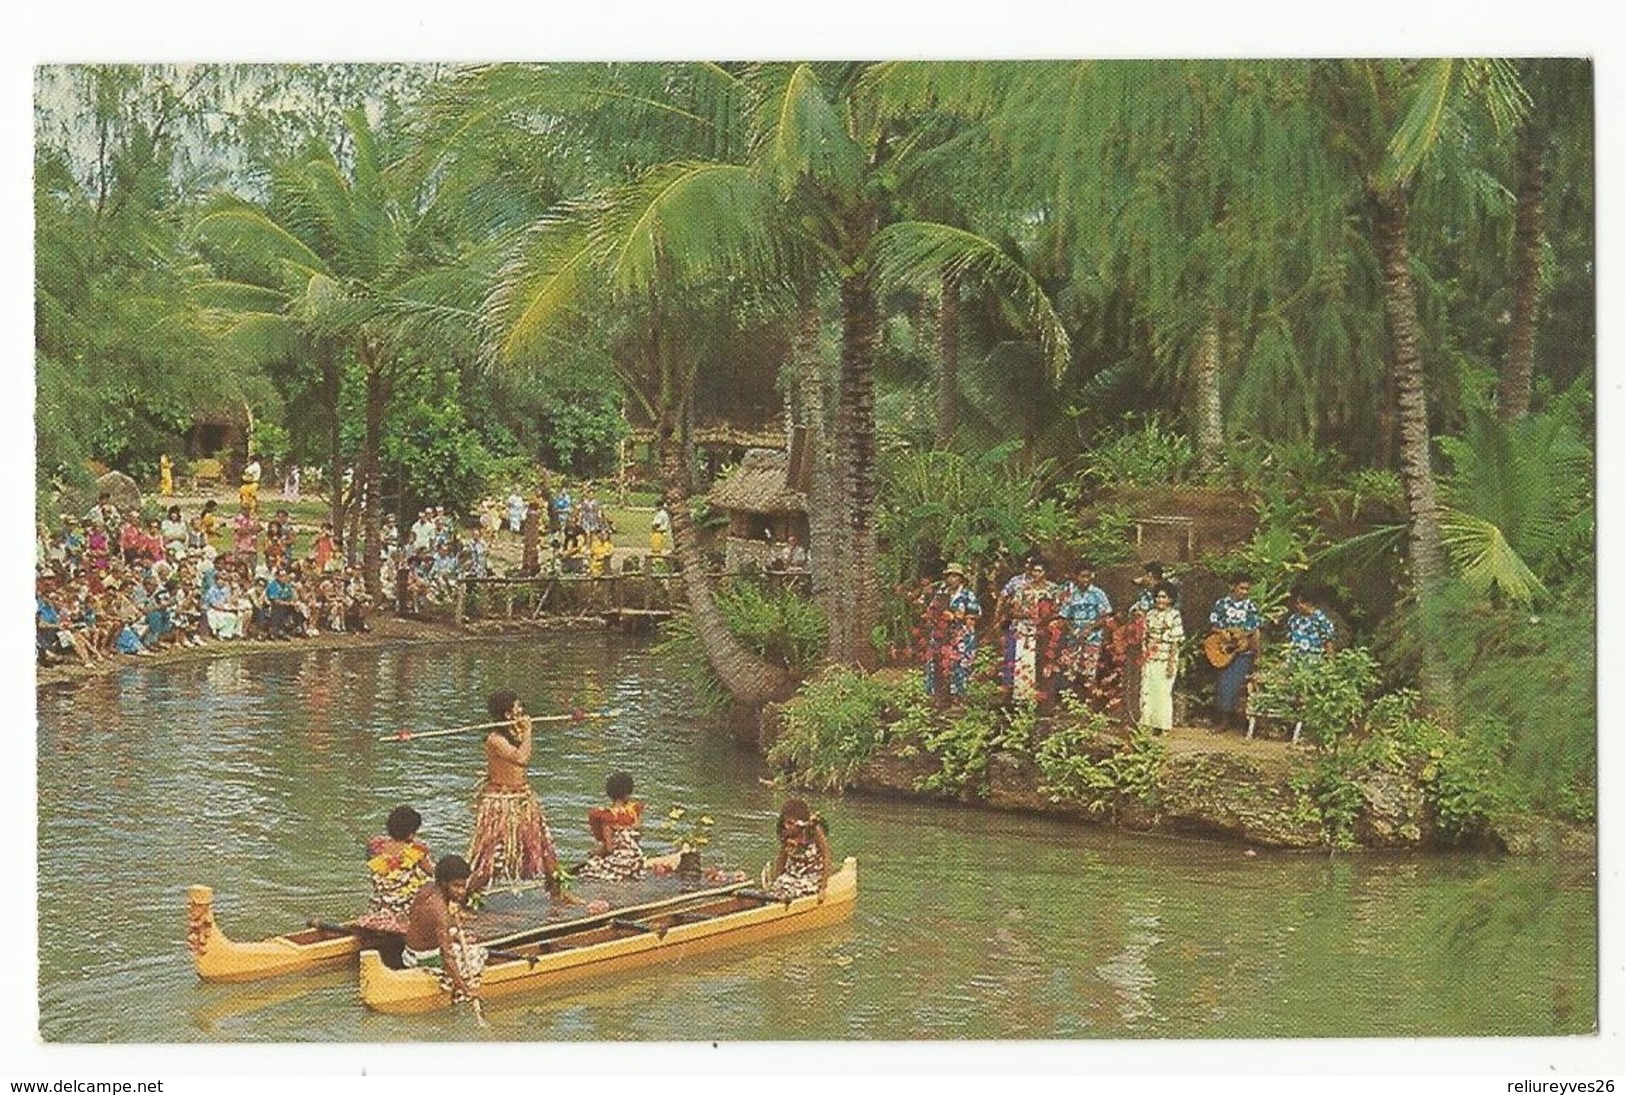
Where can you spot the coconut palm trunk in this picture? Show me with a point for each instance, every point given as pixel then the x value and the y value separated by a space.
pixel 331 382
pixel 825 545
pixel 948 352
pixel 748 679
pixel 855 578
pixel 377 400
pixel 1390 229
pixel 1209 407
pixel 1528 239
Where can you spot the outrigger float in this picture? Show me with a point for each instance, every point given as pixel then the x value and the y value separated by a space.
pixel 684 926
pixel 321 945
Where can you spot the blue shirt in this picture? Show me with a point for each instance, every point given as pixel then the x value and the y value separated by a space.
pixel 277 590
pixel 1229 612
pixel 1084 608
pixel 1309 635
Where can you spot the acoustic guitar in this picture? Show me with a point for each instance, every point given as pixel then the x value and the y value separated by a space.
pixel 1221 647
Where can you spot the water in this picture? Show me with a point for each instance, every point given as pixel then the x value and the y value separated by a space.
pixel 263 776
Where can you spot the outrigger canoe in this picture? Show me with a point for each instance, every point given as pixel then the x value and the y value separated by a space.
pixel 564 952
pixel 218 957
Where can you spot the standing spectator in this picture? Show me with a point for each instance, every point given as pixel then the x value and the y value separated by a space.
pixel 248 495
pixel 516 512
pixel 479 555
pixel 561 508
pixel 321 549
pixel 290 483
pixel 600 553
pixel 245 537
pixel 659 529
pixel 166 476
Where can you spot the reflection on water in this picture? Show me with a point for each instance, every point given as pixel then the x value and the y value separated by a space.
pixel 263 776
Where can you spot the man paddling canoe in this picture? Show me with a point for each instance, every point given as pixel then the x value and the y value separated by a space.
pixel 435 937
pixel 511 838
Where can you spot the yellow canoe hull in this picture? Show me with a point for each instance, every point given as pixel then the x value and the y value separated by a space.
pixel 217 957
pixel 610 950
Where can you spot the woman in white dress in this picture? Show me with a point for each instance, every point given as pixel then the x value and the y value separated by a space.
pixel 1164 631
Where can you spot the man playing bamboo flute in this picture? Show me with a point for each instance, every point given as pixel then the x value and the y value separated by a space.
pixel 511 839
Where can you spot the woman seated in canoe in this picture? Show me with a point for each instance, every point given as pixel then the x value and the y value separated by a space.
pixel 618 857
pixel 398 865
pixel 802 866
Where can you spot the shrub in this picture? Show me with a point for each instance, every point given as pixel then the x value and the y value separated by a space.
pixel 1153 455
pixel 833 725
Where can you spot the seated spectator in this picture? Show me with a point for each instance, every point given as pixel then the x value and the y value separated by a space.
pixel 357 602
pixel 284 617
pixel 130 538
pixel 220 608
pixel 172 531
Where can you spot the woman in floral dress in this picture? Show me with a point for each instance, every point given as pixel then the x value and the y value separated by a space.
pixel 618 856
pixel 398 865
pixel 803 863
pixel 1027 609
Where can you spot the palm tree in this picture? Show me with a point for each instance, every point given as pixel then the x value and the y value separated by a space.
pixel 358 259
pixel 796 191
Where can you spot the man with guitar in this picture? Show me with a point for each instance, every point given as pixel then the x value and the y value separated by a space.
pixel 1232 647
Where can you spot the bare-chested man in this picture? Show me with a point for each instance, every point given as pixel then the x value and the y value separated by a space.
pixel 511 839
pixel 435 938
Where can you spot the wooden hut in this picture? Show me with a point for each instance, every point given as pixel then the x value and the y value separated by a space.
pixel 763 510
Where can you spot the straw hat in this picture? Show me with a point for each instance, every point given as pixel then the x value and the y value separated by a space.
pixel 954 568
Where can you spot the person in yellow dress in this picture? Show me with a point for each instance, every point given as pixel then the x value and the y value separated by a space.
pixel 602 550
pixel 166 476
pixel 249 493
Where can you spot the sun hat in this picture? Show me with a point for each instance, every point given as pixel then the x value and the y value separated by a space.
pixel 953 568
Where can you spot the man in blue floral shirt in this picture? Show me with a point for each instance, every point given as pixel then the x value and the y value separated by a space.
pixel 1309 631
pixel 1237 615
pixel 1083 605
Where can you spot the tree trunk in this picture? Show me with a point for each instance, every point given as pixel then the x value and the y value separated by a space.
pixel 1528 238
pixel 1205 395
pixel 825 543
pixel 948 350
pixel 332 383
pixel 748 679
pixel 1390 216
pixel 855 578
pixel 372 479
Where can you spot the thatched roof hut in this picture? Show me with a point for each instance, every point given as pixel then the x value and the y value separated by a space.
pixel 763 510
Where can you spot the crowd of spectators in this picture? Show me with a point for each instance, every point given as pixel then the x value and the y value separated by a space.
pixel 111 583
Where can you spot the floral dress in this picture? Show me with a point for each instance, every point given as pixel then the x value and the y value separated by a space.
pixel 950 640
pixel 397 871
pixel 1028 642
pixel 803 870
pixel 625 859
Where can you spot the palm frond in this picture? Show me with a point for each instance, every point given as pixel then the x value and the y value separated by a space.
pixel 919 252
pixel 804 138
pixel 687 224
pixel 1485 560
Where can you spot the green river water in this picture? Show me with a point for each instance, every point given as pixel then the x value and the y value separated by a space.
pixel 261 775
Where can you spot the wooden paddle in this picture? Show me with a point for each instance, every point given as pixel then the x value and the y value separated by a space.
pixel 577 715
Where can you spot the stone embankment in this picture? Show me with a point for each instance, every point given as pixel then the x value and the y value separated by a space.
pixel 1219 786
